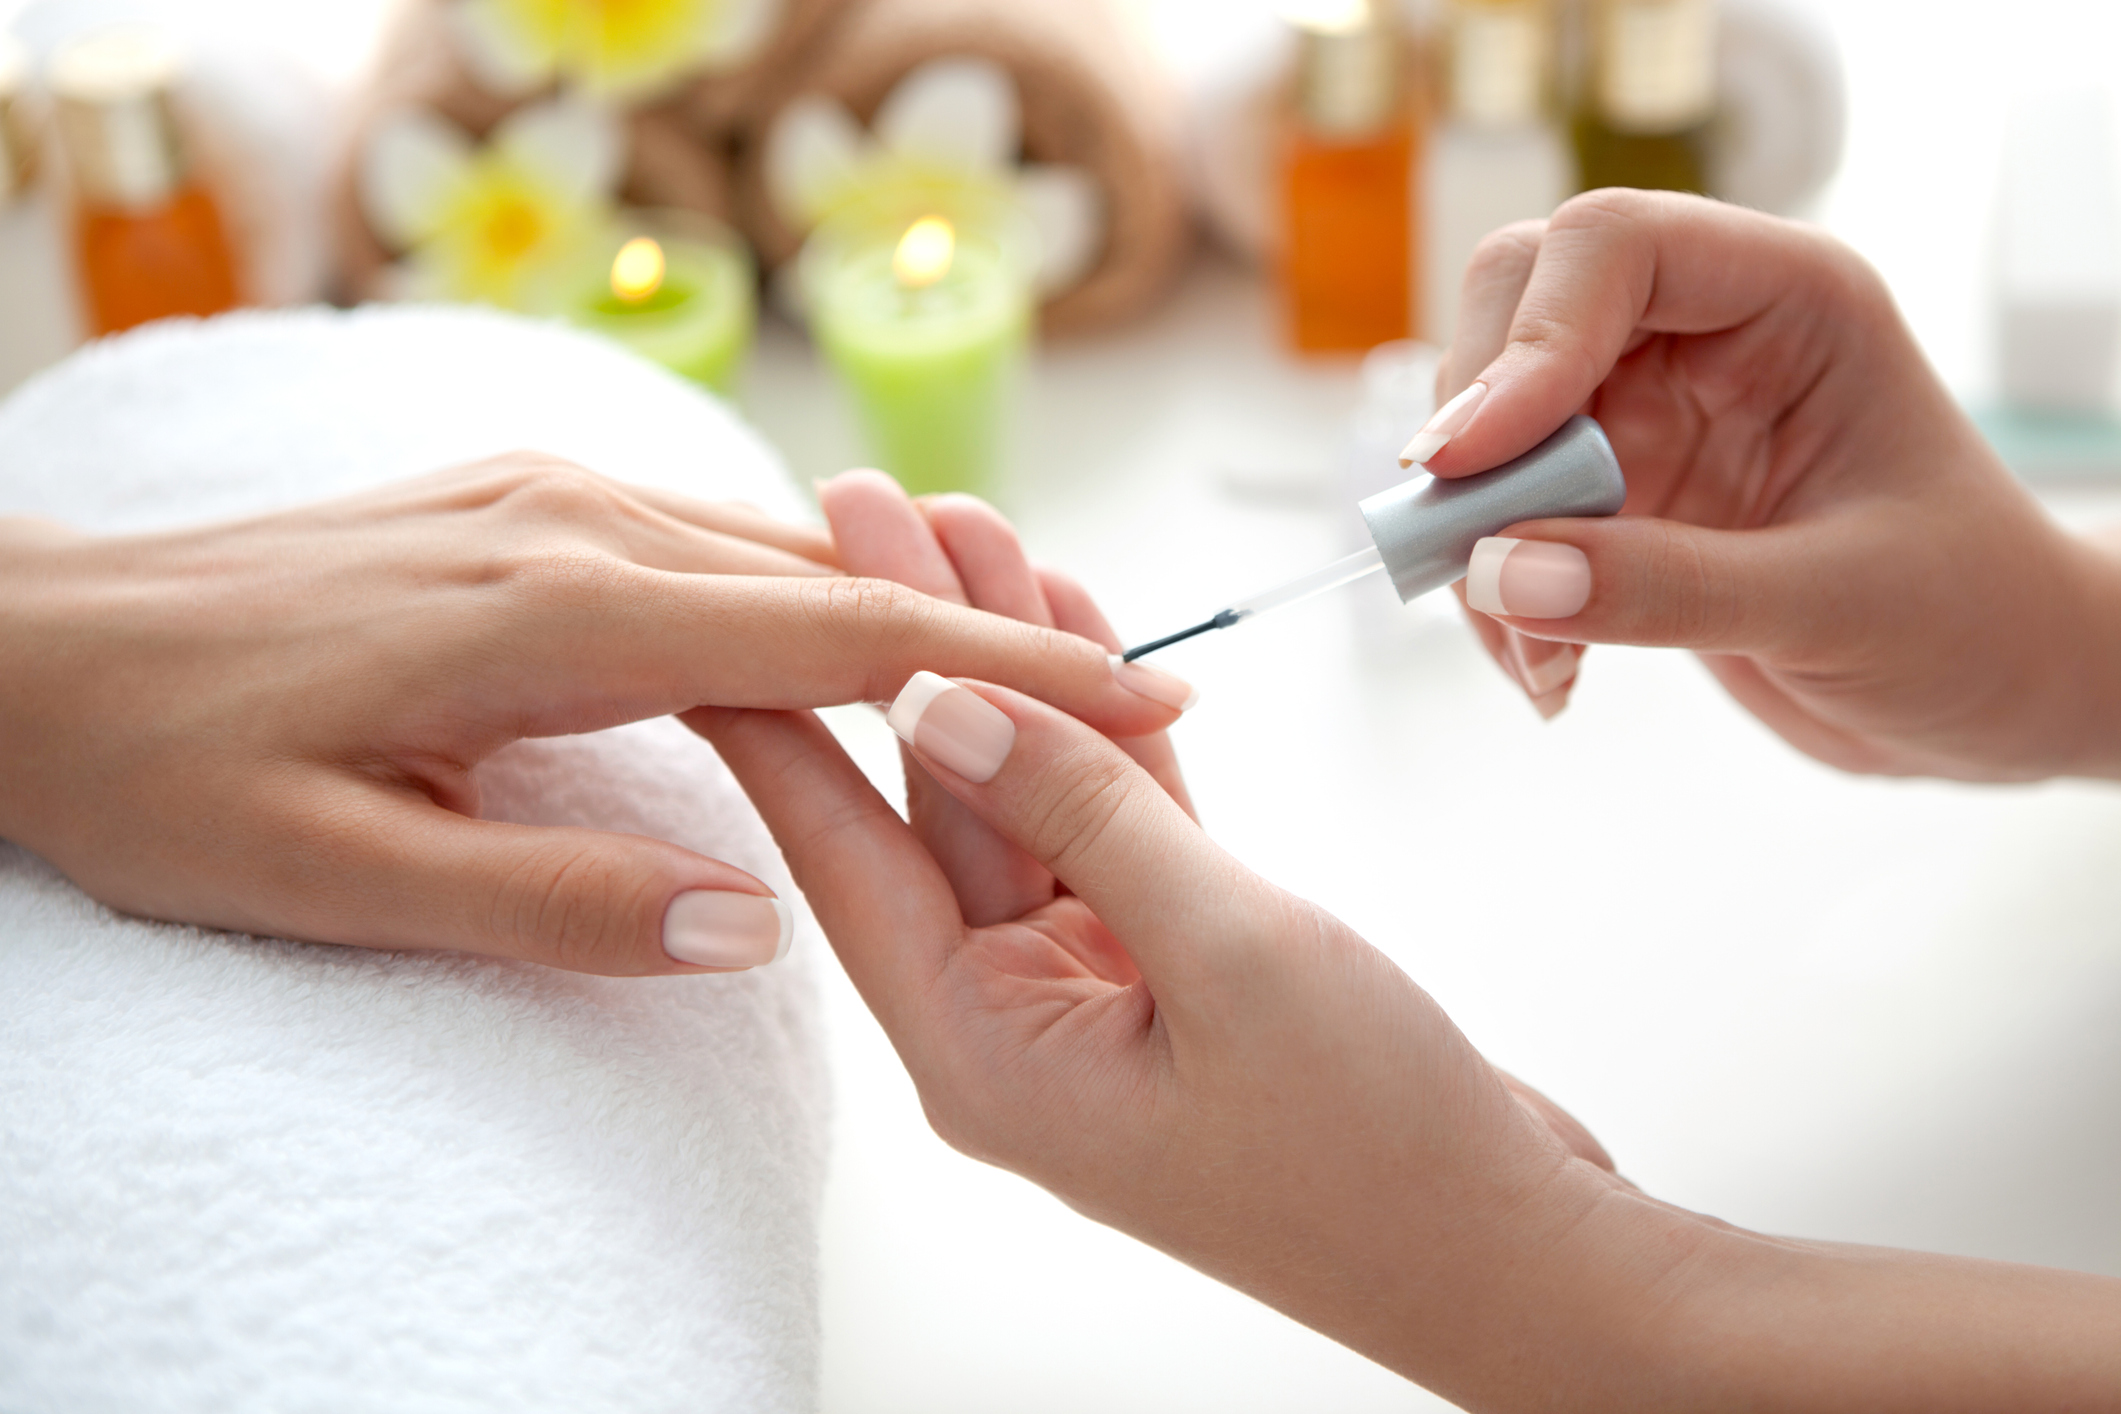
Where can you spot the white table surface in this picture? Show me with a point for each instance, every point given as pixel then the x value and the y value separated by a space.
pixel 1879 1011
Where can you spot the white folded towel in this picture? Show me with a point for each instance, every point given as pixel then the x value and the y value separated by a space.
pixel 245 1174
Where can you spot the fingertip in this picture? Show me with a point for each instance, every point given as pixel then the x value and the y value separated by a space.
pixel 1165 689
pixel 787 913
pixel 727 929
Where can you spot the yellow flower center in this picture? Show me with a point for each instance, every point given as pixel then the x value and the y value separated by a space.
pixel 512 228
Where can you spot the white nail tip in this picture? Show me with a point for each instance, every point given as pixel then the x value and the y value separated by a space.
pixel 913 701
pixel 1424 446
pixel 1447 422
pixel 787 914
pixel 1484 573
pixel 1543 678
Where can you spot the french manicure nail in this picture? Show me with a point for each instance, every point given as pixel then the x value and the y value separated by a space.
pixel 1448 421
pixel 957 729
pixel 1528 579
pixel 1551 673
pixel 721 928
pixel 1154 684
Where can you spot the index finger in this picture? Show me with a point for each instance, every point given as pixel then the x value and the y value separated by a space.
pixel 1618 265
pixel 642 642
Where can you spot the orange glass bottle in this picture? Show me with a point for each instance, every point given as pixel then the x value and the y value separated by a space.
pixel 149 240
pixel 1347 187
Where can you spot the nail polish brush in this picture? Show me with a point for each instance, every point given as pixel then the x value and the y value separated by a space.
pixel 1425 528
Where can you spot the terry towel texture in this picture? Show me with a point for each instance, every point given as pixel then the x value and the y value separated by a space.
pixel 246 1174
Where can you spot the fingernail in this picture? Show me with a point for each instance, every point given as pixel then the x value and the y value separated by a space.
pixel 1154 684
pixel 1530 579
pixel 719 928
pixel 1551 673
pixel 1549 707
pixel 956 729
pixel 1448 422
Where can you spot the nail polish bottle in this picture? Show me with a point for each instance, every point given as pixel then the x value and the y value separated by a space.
pixel 148 237
pixel 1643 118
pixel 38 323
pixel 1497 156
pixel 1347 156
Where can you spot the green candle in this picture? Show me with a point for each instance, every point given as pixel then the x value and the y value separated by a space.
pixel 678 291
pixel 926 322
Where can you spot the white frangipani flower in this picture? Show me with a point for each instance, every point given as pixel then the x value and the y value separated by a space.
pixel 489 223
pixel 950 124
pixel 612 48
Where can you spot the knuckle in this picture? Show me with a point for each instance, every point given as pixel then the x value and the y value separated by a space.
pixel 873 620
pixel 549 488
pixel 551 578
pixel 1084 797
pixel 570 907
pixel 1701 605
pixel 1608 209
pixel 1505 253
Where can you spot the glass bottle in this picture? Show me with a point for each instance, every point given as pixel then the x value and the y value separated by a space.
pixel 1644 117
pixel 148 236
pixel 1497 156
pixel 38 324
pixel 1346 182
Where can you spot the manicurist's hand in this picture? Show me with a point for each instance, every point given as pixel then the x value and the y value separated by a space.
pixel 272 725
pixel 1808 509
pixel 959 549
pixel 1179 1049
pixel 1089 992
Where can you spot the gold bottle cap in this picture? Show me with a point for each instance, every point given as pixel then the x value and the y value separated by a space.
pixel 18 134
pixel 1656 70
pixel 1498 55
pixel 115 121
pixel 1347 65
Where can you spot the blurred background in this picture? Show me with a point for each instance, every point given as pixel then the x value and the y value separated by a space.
pixel 1166 279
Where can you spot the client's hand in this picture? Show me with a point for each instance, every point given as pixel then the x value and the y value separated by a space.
pixel 1807 507
pixel 272 726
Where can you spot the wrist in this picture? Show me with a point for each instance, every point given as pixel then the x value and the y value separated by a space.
pixel 1608 1290
pixel 33 643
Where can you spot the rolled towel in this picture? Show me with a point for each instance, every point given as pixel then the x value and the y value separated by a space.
pixel 242 1173
pixel 679 142
pixel 1091 98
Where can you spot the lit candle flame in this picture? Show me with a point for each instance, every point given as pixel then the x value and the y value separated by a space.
pixel 637 272
pixel 924 253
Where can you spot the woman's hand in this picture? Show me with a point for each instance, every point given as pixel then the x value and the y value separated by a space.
pixel 1807 508
pixel 960 549
pixel 1180 1049
pixel 271 726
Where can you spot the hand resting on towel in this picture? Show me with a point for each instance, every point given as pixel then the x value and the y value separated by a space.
pixel 1087 991
pixel 271 726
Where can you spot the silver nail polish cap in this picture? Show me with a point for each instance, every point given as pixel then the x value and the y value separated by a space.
pixel 1426 528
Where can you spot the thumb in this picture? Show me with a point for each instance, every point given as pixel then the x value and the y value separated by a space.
pixel 418 876
pixel 1636 579
pixel 1079 805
